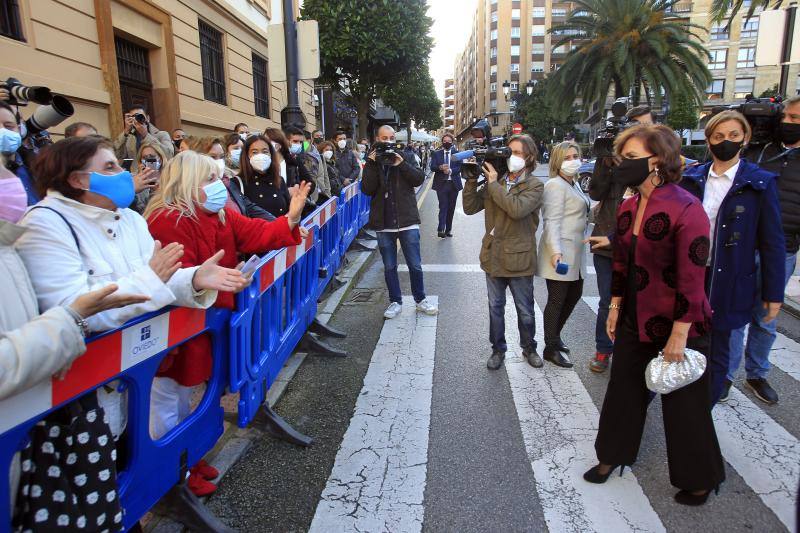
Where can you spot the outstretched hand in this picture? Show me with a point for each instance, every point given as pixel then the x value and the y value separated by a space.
pixel 211 276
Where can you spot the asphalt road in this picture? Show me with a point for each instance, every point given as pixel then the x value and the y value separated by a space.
pixel 501 451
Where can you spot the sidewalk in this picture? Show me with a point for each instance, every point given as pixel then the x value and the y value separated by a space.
pixel 791 302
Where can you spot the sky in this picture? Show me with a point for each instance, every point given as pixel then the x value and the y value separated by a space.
pixel 452 22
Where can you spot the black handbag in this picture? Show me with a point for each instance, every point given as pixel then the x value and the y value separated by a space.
pixel 69 475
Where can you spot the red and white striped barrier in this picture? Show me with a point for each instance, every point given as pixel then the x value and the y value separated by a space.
pixel 105 358
pixel 283 261
pixel 350 192
pixel 324 215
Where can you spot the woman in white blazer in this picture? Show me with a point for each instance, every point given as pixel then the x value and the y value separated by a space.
pixel 561 257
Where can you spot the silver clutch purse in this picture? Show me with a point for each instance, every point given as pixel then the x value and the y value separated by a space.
pixel 664 377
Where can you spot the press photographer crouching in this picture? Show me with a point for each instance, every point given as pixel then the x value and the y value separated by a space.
pixel 508 251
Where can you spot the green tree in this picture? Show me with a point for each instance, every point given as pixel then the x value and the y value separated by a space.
pixel 369 45
pixel 632 45
pixel 538 118
pixel 683 113
pixel 414 98
pixel 772 92
pixel 728 9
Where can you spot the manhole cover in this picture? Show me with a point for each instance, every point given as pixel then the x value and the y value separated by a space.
pixel 362 296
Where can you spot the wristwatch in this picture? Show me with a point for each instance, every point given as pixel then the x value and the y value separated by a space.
pixel 615 306
pixel 79 321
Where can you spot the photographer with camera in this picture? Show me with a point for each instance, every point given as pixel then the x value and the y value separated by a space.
pixel 390 179
pixel 508 250
pixel 139 129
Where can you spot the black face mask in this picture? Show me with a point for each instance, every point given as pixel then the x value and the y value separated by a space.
pixel 177 144
pixel 631 172
pixel 789 132
pixel 726 150
pixel 447 146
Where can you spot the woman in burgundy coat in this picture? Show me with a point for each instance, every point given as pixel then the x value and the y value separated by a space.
pixel 188 209
pixel 658 304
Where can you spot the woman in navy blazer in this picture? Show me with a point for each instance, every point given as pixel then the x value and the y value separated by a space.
pixel 747 242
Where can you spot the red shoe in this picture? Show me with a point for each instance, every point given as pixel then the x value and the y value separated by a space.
pixel 199 486
pixel 205 470
pixel 600 362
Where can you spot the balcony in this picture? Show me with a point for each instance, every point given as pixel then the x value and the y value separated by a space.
pixel 681 8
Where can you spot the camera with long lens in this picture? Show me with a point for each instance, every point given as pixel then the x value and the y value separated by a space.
pixel 763 114
pixel 616 123
pixel 53 109
pixel 385 152
pixel 495 151
pixel 20 95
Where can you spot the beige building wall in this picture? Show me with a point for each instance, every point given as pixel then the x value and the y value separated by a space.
pixel 69 46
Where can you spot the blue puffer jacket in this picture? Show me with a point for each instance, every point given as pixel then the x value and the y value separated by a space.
pixel 748 225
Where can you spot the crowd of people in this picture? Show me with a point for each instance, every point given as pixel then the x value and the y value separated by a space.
pixel 95 232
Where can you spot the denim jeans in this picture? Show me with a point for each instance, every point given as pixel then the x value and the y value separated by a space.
pixel 409 242
pixel 760 337
pixel 603 269
pixel 522 292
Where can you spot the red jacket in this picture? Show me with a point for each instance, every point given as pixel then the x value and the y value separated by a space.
pixel 202 238
pixel 671 254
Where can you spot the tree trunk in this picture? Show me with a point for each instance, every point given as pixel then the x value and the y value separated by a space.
pixel 363 103
pixel 618 90
pixel 408 131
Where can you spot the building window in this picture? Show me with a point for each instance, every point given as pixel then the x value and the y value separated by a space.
pixel 537 66
pixel 10 21
pixel 514 67
pixel 749 29
pixel 715 90
pixel 718 59
pixel 514 50
pixel 493 87
pixel 719 32
pixel 515 31
pixel 537 48
pixel 493 104
pixel 211 58
pixel 493 35
pixel 747 58
pixel 515 14
pixel 495 120
pixel 560 49
pixel 493 51
pixel 261 86
pixel 514 86
pixel 743 87
pixel 538 12
pixel 537 30
pixel 494 16
pixel 493 70
pixel 559 12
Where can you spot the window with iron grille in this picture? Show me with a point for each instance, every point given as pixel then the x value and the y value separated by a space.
pixel 212 61
pixel 10 21
pixel 260 86
pixel 133 62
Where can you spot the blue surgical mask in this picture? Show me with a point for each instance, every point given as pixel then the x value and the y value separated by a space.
pixel 296 148
pixel 116 187
pixel 10 141
pixel 216 196
pixel 236 155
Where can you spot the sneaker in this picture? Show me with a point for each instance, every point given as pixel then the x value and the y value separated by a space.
pixel 199 485
pixel 600 362
pixel 726 391
pixel 762 390
pixel 495 361
pixel 393 310
pixel 206 470
pixel 427 307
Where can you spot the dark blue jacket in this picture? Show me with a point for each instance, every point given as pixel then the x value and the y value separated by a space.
pixel 748 225
pixel 439 177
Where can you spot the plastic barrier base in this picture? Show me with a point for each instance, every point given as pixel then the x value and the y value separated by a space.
pixel 280 428
pixel 313 345
pixel 365 235
pixel 325 330
pixel 182 506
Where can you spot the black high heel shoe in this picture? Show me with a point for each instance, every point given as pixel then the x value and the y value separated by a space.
pixel 593 475
pixel 685 497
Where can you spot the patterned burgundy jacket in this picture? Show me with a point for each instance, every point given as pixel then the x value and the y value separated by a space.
pixel 671 253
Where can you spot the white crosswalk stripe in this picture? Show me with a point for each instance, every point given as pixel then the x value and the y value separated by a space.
pixel 559 424
pixel 378 479
pixel 761 450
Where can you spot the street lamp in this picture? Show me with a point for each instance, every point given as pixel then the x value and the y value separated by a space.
pixel 506 88
pixel 529 86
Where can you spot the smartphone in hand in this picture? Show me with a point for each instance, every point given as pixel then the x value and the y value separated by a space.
pixel 127 164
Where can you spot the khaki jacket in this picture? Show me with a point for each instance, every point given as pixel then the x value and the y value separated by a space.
pixel 512 217
pixel 125 146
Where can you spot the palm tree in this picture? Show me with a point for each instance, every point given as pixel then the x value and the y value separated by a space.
pixel 632 45
pixel 722 9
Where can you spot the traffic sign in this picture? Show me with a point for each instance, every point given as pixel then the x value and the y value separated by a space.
pixel 516 128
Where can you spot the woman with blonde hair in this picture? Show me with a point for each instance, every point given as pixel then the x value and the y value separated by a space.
pixel 561 257
pixel 188 209
pixel 150 158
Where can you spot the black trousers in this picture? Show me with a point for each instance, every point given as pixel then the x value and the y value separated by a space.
pixel 693 454
pixel 448 196
pixel 562 297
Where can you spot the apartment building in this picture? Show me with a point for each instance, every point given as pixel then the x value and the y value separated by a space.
pixel 197 64
pixel 449 106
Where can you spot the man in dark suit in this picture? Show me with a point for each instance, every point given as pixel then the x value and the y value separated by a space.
pixel 446 183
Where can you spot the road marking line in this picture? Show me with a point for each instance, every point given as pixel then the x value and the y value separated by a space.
pixel 761 450
pixel 559 423
pixel 378 479
pixel 467 267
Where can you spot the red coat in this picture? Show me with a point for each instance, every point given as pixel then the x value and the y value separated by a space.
pixel 202 238
pixel 671 254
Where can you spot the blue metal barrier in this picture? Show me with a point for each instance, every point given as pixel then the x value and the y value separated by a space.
pixel 350 213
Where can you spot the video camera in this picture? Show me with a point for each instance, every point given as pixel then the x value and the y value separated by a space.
pixel 385 151
pixel 495 151
pixel 53 108
pixel 763 114
pixel 604 143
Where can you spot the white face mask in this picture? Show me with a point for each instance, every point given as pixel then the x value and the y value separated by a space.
pixel 220 166
pixel 341 144
pixel 570 168
pixel 327 154
pixel 515 163
pixel 260 162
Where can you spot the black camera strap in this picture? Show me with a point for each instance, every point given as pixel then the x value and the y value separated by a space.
pixel 781 155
